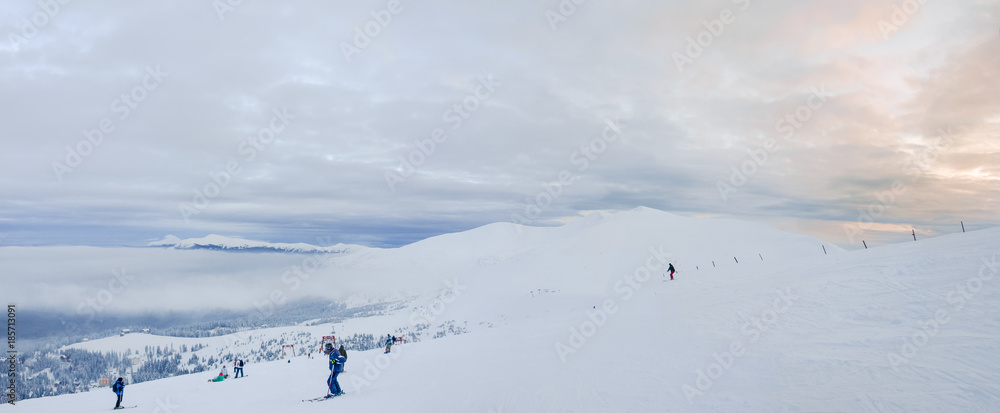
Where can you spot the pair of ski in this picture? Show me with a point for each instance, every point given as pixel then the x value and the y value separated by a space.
pixel 125 407
pixel 324 398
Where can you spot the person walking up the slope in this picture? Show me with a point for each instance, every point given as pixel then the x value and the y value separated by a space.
pixel 388 343
pixel 336 367
pixel 119 389
pixel 343 351
pixel 671 269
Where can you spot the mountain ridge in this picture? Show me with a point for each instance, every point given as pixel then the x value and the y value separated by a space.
pixel 230 243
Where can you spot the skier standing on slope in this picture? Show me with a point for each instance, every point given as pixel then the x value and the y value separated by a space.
pixel 388 343
pixel 343 351
pixel 119 389
pixel 671 269
pixel 237 368
pixel 337 361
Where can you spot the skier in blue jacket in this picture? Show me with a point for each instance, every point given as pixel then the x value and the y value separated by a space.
pixel 119 389
pixel 337 361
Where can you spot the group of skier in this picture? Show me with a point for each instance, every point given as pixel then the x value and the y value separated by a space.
pixel 119 386
pixel 237 371
pixel 389 341
pixel 338 357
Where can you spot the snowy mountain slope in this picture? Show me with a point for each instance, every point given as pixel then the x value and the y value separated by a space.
pixel 798 331
pixel 695 240
pixel 593 248
pixel 219 242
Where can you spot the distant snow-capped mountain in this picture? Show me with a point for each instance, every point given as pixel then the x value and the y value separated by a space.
pixel 219 242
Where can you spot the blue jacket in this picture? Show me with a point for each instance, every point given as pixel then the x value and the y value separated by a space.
pixel 337 361
pixel 118 387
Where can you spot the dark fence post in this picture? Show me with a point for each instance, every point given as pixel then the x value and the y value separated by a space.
pixel 824 250
pixel 914 234
pixel 713 264
pixel 761 257
pixel 863 243
pixel 963 225
pixel 737 261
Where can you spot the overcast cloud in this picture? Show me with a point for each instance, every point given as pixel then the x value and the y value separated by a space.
pixel 873 84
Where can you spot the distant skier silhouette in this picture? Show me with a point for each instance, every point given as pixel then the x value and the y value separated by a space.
pixel 671 269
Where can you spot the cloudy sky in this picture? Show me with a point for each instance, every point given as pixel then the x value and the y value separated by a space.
pixel 384 122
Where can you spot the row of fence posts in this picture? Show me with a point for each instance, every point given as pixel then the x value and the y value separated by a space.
pixel 738 261
pixel 913 232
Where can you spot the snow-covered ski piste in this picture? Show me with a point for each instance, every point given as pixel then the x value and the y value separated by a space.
pixel 581 318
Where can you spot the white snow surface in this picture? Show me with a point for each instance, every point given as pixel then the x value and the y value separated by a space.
pixel 906 327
